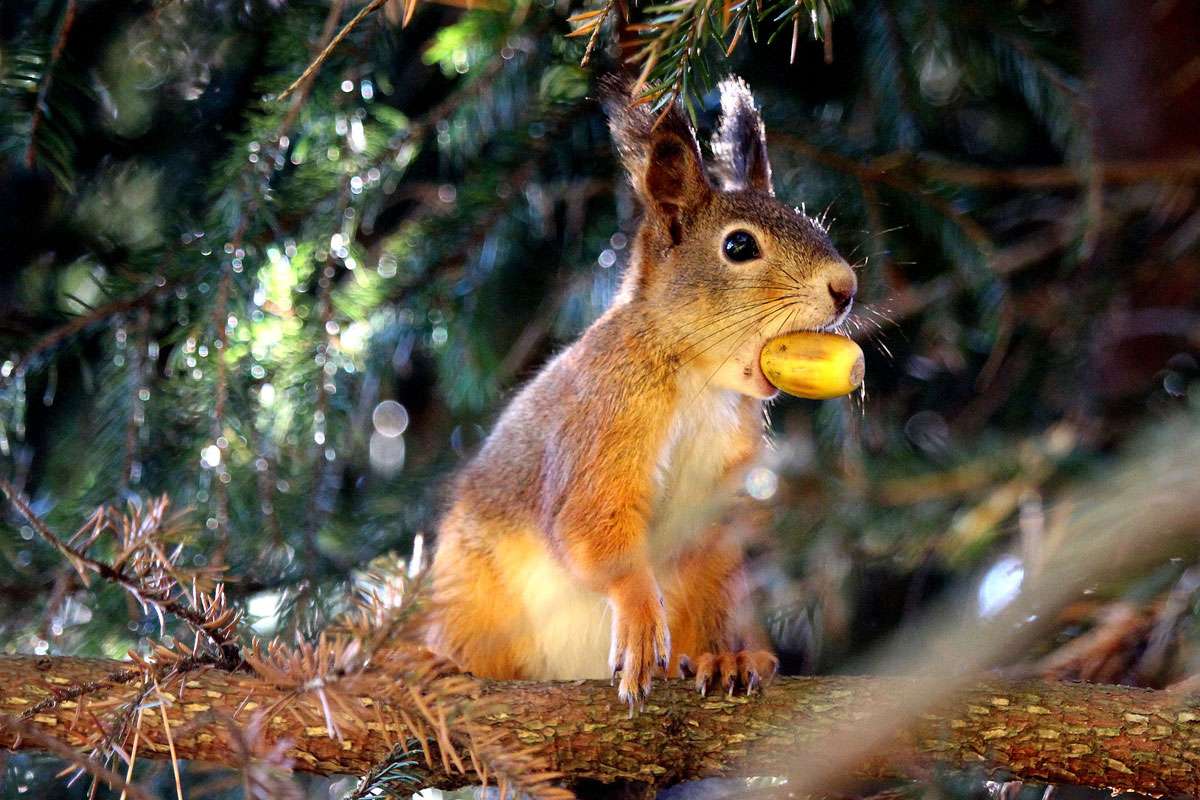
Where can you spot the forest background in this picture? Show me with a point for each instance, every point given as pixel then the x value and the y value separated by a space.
pixel 296 316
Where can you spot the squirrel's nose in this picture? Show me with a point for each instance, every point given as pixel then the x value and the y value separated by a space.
pixel 842 286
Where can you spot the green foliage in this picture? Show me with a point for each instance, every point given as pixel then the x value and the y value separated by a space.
pixel 440 212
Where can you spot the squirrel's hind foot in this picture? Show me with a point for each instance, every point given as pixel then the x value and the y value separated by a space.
pixel 747 670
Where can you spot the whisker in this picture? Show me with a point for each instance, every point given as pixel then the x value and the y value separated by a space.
pixel 727 320
pixel 738 337
pixel 872 235
pixel 738 327
pixel 742 316
pixel 791 277
pixel 886 350
pixel 749 286
pixel 787 323
pixel 738 343
pixel 865 260
pixel 883 319
pixel 725 313
pixel 861 324
pixel 871 308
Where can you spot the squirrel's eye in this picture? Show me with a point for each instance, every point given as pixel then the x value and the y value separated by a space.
pixel 740 246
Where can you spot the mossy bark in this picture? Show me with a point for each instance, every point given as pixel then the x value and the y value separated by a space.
pixel 1102 736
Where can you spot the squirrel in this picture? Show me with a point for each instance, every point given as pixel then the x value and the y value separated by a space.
pixel 585 539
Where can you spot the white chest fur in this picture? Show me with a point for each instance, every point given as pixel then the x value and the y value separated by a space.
pixel 689 492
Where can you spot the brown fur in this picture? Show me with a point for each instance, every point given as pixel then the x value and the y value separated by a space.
pixel 589 492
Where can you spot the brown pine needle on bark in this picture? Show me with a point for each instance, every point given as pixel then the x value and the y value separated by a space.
pixel 144 570
pixel 162 707
pixel 137 733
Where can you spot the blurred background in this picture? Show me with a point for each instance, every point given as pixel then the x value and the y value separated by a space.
pixel 297 317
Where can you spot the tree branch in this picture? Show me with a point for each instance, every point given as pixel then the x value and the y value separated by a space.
pixel 896 169
pixel 1102 736
pixel 43 95
pixel 81 322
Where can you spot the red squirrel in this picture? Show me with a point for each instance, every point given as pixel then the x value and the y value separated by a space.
pixel 584 540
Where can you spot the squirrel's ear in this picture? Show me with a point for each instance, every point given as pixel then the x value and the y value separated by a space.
pixel 740 144
pixel 660 153
pixel 674 181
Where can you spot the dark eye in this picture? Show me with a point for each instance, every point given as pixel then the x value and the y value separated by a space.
pixel 740 246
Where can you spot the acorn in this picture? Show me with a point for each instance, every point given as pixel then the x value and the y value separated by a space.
pixel 818 366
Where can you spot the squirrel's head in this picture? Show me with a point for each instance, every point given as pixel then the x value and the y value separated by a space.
pixel 719 263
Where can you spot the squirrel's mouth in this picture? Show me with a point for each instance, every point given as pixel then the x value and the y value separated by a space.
pixel 835 321
pixel 741 370
pixel 762 388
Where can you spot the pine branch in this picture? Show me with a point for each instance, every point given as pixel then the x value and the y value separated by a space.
pixel 225 284
pixel 1166 171
pixel 671 52
pixel 893 40
pixel 305 85
pixel 590 24
pixel 883 170
pixel 1104 736
pixel 319 499
pixel 911 166
pixel 137 409
pixel 220 323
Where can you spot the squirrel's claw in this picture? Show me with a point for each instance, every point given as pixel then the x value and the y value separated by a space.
pixel 750 670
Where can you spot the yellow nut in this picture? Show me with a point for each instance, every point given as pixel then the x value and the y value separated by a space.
pixel 818 366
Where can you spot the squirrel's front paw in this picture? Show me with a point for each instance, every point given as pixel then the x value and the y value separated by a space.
pixel 745 669
pixel 641 644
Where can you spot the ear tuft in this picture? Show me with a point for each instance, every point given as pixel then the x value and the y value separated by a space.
pixel 740 144
pixel 629 123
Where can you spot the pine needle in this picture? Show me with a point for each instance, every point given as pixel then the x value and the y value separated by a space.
pixel 162 706
pixel 137 733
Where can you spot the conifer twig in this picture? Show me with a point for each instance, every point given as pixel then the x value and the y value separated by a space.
pixel 22 733
pixel 321 469
pixel 877 169
pixel 591 23
pixel 317 62
pixel 60 44
pixel 137 370
pixel 221 391
pixel 285 125
pixel 884 171
pixel 213 628
pixel 82 322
